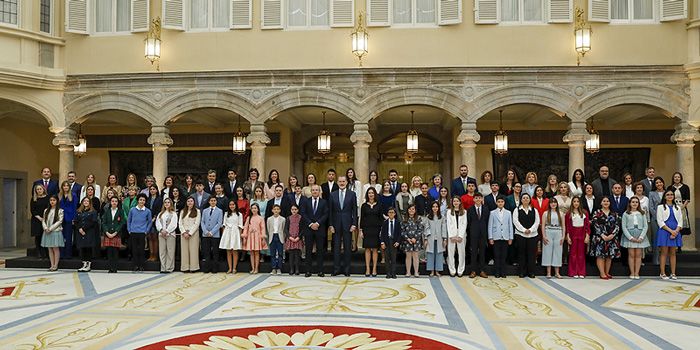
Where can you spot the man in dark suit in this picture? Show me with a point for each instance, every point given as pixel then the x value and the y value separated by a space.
pixel 390 237
pixel 51 186
pixel 231 185
pixel 395 186
pixel 74 186
pixel 211 182
pixel 648 183
pixel 343 205
pixel 478 219
pixel 330 186
pixel 279 199
pixel 490 198
pixel 315 212
pixel 602 186
pixel 618 201
pixel 459 184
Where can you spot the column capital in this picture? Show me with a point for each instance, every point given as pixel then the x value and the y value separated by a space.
pixel 64 137
pixel 468 133
pixel 160 136
pixel 258 135
pixel 577 132
pixel 361 134
pixel 685 134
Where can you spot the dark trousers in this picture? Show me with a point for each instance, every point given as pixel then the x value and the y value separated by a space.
pixel 67 249
pixel 527 254
pixel 138 244
pixel 344 238
pixel 210 254
pixel 390 260
pixel 294 260
pixel 40 251
pixel 500 251
pixel 318 237
pixel 477 245
pixel 112 258
pixel 276 252
pixel 86 254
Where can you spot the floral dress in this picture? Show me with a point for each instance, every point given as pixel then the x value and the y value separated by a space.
pixel 412 229
pixel 605 225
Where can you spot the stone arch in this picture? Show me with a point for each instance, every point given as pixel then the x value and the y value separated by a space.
pixel 52 114
pixel 671 102
pixel 82 107
pixel 517 94
pixel 308 96
pixel 451 103
pixel 195 99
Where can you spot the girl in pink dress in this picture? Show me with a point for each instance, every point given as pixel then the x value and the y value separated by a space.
pixel 255 237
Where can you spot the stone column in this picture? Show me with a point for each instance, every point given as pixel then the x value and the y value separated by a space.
pixel 66 139
pixel 685 138
pixel 160 139
pixel 467 139
pixel 361 139
pixel 576 138
pixel 258 140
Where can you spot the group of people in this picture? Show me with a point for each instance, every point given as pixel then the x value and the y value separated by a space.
pixel 500 222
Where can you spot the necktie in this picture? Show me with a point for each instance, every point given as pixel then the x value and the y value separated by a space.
pixel 393 187
pixel 478 213
pixel 465 184
pixel 46 184
pixel 342 199
pixel 315 204
pixel 211 211
pixel 391 228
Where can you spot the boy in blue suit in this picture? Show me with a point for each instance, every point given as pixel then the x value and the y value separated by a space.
pixel 500 235
pixel 212 218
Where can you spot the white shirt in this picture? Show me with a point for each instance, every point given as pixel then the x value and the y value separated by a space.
pixel 519 229
pixel 114 212
pixel 590 201
pixel 577 220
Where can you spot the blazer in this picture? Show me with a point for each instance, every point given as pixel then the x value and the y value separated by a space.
pixel 662 214
pixel 511 204
pixel 540 208
pixel 249 188
pixel 456 226
pixel 395 187
pixel 389 238
pixel 51 189
pixel 684 189
pixel 423 204
pixel 230 192
pixel 115 224
pixel 619 208
pixel 628 223
pixel 648 186
pixel 326 191
pixel 49 223
pixel 458 185
pixel 320 217
pixel 342 219
pixel 205 200
pixel 212 221
pixel 209 188
pixel 490 201
pixel 598 187
pixel 282 229
pixel 76 190
pixel 435 230
pixel 186 223
pixel 500 226
pixel 478 226
pixel 285 206
pixel 162 222
pixel 584 204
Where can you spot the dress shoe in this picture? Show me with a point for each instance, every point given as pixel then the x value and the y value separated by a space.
pixel 308 274
pixel 531 276
pixel 521 276
pixel 388 276
pixel 483 275
pixel 347 275
pixel 320 274
pixel 472 274
pixel 334 274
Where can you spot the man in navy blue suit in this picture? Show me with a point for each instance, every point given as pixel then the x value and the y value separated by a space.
pixel 51 186
pixel 343 222
pixel 315 212
pixel 74 186
pixel 618 201
pixel 459 184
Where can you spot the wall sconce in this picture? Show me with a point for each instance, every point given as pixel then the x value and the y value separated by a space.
pixel 582 36
pixel 152 43
pixel 359 38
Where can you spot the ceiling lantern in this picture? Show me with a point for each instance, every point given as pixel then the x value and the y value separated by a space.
pixel 81 149
pixel 324 138
pixel 239 142
pixel 500 141
pixel 412 138
pixel 593 141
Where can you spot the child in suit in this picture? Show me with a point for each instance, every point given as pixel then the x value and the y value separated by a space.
pixel 390 238
pixel 212 219
pixel 275 228
pixel 500 235
pixel 478 218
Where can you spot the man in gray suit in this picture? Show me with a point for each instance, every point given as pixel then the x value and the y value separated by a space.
pixel 648 183
pixel 343 213
pixel 602 186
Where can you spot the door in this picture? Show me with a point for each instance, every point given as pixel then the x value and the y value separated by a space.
pixel 9 211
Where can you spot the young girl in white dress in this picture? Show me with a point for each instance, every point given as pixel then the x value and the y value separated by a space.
pixel 231 238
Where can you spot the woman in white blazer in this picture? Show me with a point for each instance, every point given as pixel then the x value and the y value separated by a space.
pixel 166 224
pixel 190 218
pixel 456 219
pixel 669 218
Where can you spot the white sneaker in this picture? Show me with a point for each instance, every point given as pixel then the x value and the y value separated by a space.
pixel 673 277
pixel 664 277
pixel 272 272
pixel 87 267
pixel 82 269
pixel 491 262
pixel 576 276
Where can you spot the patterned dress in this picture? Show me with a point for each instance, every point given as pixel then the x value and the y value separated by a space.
pixel 605 225
pixel 294 232
pixel 412 229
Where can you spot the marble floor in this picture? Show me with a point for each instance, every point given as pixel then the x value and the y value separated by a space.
pixel 96 310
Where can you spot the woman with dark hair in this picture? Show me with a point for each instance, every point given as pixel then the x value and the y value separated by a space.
pixel 669 218
pixel 434 191
pixel 628 185
pixel 40 201
pixel 681 192
pixel 292 183
pixel 412 230
pixel 189 225
pixel 526 221
pixel 371 219
pixel 112 183
pixel 94 200
pixel 85 224
pixel 113 220
pixel 656 198
pixel 273 179
pixel 69 204
pixel 255 236
pixel 168 184
pixel 310 181
pixel 509 182
pixel 177 198
pixel 435 240
pixel 252 183
pixel 577 183
pixel 373 182
pixel 386 199
pixel 605 237
pixel 189 188
pixel 486 179
pixel 154 204
pixel 52 237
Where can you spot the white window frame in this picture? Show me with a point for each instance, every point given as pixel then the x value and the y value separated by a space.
pixel 630 12
pixel 19 17
pixel 308 26
pixel 414 16
pixel 521 16
pixel 52 10
pixel 210 18
pixel 92 7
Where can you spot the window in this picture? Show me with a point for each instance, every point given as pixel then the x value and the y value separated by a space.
pixel 112 16
pixel 206 15
pixel 411 12
pixel 45 16
pixel 308 13
pixel 641 10
pixel 522 11
pixel 9 11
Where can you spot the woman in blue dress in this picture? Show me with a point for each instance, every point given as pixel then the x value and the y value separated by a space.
pixel 668 237
pixel 69 204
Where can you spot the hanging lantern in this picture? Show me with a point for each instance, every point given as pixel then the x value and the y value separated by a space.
pixel 152 43
pixel 593 141
pixel 324 138
pixel 239 142
pixel 412 138
pixel 500 141
pixel 582 36
pixel 359 38
pixel 81 149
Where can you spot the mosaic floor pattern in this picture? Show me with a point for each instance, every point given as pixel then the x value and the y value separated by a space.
pixel 69 310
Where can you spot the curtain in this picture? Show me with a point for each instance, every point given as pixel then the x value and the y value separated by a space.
pixel 199 11
pixel 425 11
pixel 103 16
pixel 221 13
pixel 643 9
pixel 402 12
pixel 319 12
pixel 619 9
pixel 532 10
pixel 510 11
pixel 296 13
pixel 123 15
